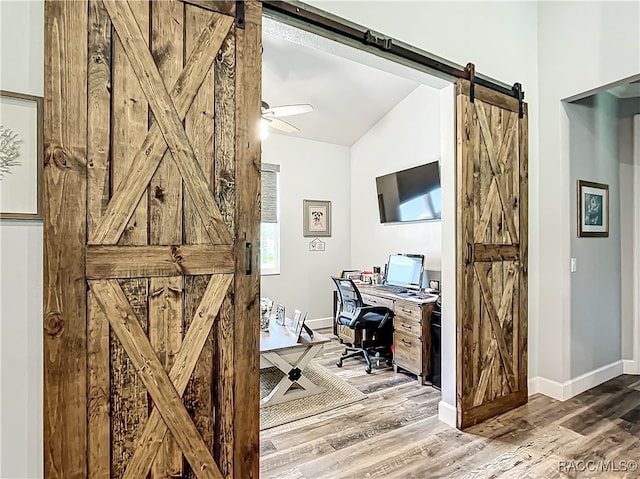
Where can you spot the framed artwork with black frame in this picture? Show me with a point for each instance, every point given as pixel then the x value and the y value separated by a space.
pixel 593 209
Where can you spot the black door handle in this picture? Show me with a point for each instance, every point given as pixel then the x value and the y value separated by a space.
pixel 249 248
pixel 469 259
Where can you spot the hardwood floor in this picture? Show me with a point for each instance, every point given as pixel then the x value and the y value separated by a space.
pixel 395 433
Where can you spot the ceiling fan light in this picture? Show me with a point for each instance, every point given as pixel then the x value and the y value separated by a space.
pixel 264 129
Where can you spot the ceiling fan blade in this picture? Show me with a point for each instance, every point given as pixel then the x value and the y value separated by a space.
pixel 288 110
pixel 282 125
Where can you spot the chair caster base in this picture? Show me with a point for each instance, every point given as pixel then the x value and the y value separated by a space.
pixel 368 369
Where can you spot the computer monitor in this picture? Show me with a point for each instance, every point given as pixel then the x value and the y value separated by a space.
pixel 405 270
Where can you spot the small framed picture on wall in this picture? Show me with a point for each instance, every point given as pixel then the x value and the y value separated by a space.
pixel 316 218
pixel 593 209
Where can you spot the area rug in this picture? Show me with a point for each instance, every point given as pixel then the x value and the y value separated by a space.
pixel 338 394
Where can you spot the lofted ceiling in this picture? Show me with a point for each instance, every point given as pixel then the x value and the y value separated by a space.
pixel 350 90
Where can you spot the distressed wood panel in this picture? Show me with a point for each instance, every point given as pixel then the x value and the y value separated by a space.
pixel 98 179
pixel 491 349
pixel 142 215
pixel 124 323
pixel 185 361
pixel 139 261
pixel 65 329
pixel 149 155
pixel 247 227
pixel 167 118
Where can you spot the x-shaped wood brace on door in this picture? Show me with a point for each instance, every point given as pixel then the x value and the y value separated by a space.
pixel 165 390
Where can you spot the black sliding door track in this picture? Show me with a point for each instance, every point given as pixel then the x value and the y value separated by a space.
pixel 308 18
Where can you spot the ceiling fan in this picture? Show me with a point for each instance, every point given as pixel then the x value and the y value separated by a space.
pixel 271 116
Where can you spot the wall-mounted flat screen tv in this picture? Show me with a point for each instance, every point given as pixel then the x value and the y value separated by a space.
pixel 410 195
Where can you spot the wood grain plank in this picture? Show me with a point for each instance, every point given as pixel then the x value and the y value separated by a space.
pixel 130 118
pixel 165 221
pixel 168 120
pixel 463 199
pixel 150 153
pixel 166 399
pixel 225 191
pixel 130 123
pixel 199 120
pixel 492 97
pixel 224 131
pixel 198 125
pixel 496 252
pixel 185 361
pixel 247 228
pixel 198 395
pixel 64 213
pixel 227 7
pixel 142 261
pixel 165 336
pixel 165 188
pixel 98 167
pixel 523 213
pixel 129 399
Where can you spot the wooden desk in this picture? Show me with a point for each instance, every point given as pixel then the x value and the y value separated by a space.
pixel 280 347
pixel 411 325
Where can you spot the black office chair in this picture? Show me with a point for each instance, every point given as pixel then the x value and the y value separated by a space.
pixel 373 323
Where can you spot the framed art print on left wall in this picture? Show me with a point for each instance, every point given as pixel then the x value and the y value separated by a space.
pixel 21 155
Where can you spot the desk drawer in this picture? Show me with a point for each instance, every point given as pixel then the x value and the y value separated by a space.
pixel 407 352
pixel 377 301
pixel 407 326
pixel 406 310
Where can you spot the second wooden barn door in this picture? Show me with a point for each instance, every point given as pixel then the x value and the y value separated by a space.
pixel 152 220
pixel 492 254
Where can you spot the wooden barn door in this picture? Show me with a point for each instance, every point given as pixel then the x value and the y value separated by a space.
pixel 492 254
pixel 151 239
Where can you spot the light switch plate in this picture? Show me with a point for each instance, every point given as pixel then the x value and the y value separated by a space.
pixel 574 265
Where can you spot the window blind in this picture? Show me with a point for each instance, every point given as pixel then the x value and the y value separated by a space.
pixel 269 196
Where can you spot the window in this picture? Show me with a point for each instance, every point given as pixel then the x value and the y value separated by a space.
pixel 270 225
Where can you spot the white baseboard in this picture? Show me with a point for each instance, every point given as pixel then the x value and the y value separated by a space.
pixel 630 367
pixel 447 413
pixel 550 388
pixel 575 386
pixel 532 386
pixel 319 323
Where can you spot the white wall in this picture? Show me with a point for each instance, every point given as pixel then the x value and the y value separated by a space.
pixel 22 54
pixel 316 171
pixel 595 287
pixel 582 46
pixel 407 136
pixel 628 221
